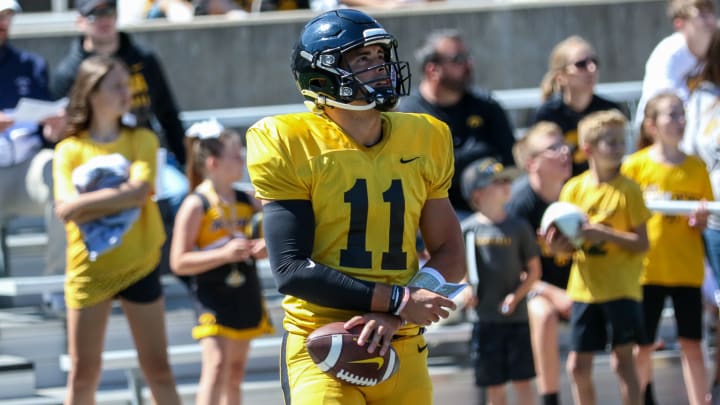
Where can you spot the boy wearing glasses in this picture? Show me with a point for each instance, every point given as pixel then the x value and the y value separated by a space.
pixel 545 156
pixel 604 282
pixel 479 125
pixel 676 59
pixel 503 260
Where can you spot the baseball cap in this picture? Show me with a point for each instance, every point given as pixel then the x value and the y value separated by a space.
pixel 88 7
pixel 10 5
pixel 482 172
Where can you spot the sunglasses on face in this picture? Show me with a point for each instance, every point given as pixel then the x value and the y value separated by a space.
pixel 458 59
pixel 584 63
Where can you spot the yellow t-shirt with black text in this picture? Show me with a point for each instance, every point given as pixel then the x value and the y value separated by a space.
pixel 676 250
pixel 604 271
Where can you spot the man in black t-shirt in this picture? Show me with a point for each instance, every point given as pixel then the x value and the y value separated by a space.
pixel 479 125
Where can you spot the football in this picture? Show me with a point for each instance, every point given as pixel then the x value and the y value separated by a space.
pixel 567 217
pixel 335 350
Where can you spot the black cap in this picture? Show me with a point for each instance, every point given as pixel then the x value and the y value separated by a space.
pixel 87 7
pixel 482 172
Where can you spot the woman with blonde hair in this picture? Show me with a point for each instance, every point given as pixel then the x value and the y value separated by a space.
pixel 568 91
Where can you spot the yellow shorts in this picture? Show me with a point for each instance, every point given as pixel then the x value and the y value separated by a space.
pixel 304 384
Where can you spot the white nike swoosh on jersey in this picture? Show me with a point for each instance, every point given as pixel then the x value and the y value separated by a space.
pixel 311 264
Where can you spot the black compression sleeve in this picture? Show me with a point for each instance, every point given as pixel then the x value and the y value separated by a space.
pixel 289 228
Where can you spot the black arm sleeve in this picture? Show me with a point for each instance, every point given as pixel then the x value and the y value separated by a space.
pixel 289 228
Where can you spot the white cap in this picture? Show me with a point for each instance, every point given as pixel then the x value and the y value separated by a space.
pixel 10 5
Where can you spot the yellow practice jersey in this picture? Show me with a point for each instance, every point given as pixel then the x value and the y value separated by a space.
pixel 89 282
pixel 604 271
pixel 366 200
pixel 676 250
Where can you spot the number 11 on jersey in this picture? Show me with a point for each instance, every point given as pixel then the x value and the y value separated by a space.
pixel 356 255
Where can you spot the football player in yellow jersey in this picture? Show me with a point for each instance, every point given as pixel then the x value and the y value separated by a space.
pixel 604 282
pixel 345 189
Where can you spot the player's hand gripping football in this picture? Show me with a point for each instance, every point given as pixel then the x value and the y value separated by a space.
pixel 426 307
pixel 378 330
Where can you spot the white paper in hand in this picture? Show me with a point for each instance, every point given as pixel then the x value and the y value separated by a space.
pixel 429 279
pixel 34 110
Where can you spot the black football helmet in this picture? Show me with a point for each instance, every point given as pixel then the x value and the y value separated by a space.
pixel 323 79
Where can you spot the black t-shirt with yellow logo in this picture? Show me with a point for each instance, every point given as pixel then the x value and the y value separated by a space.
pixel 555 110
pixel 479 127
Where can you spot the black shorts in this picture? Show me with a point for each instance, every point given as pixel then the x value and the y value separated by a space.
pixel 687 304
pixel 591 324
pixel 145 290
pixel 501 352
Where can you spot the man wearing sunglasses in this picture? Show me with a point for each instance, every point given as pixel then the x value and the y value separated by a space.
pixel 479 125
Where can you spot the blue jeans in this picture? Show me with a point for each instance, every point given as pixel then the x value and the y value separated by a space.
pixel 712 250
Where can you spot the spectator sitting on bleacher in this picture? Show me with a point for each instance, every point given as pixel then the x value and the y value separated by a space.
pixel 568 92
pixel 544 155
pixel 153 104
pixel 479 125
pixel 674 62
pixel 229 7
pixel 98 100
pixel 25 182
pixel 173 10
pixel 325 5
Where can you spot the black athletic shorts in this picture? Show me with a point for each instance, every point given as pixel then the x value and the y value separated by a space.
pixel 501 352
pixel 594 325
pixel 145 290
pixel 687 305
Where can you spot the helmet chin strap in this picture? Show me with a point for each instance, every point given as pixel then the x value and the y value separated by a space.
pixel 321 100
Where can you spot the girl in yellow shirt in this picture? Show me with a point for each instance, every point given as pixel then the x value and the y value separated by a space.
pixel 98 100
pixel 673 266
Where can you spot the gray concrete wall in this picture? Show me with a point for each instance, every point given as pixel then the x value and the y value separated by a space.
pixel 215 63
